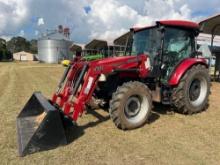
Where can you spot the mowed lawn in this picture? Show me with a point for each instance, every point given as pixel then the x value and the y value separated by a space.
pixel 170 138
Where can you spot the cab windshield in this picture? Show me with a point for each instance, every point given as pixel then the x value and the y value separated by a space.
pixel 178 42
pixel 147 41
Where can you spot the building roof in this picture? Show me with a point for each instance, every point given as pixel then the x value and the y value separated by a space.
pixel 77 47
pixel 122 40
pixel 96 44
pixel 211 25
pixel 23 53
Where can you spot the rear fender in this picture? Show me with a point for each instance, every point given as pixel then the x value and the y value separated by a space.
pixel 184 67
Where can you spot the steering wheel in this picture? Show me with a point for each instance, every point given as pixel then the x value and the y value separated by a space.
pixel 170 57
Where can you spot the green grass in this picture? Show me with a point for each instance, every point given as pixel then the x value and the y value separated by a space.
pixel 171 138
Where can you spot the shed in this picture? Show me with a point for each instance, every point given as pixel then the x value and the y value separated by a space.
pixel 211 26
pixel 75 47
pixel 121 43
pixel 123 39
pixel 96 44
pixel 23 56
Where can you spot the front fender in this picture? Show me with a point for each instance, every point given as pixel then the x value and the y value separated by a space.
pixel 183 67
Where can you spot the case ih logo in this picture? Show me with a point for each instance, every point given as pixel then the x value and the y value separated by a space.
pixel 98 68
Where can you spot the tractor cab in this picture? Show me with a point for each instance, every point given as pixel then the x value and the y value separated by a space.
pixel 167 44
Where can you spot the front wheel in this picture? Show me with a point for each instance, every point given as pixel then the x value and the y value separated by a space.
pixel 191 94
pixel 131 105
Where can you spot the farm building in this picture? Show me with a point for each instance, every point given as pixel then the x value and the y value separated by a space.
pixel 102 47
pixel 23 56
pixel 211 29
pixel 108 48
pixel 77 48
pixel 94 47
pixel 97 46
pixel 121 43
pixel 53 47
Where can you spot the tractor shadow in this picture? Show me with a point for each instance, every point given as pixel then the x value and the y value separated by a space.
pixel 74 131
pixel 158 110
pixel 163 109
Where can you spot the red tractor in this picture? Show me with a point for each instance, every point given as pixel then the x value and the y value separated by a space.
pixel 161 64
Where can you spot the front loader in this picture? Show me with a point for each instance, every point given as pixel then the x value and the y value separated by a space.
pixel 161 64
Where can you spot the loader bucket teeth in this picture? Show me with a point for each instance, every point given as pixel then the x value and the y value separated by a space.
pixel 39 126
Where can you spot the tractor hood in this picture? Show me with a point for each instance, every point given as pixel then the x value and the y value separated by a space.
pixel 138 64
pixel 115 60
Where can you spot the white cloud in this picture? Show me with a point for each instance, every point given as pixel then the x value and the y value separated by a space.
pixel 110 19
pixel 12 14
pixel 109 35
pixel 40 21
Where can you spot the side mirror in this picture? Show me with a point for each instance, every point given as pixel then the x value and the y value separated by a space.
pixel 198 53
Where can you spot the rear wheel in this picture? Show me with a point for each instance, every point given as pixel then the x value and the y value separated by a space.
pixel 130 106
pixel 191 95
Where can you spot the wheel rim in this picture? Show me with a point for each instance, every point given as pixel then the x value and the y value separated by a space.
pixel 198 91
pixel 132 106
pixel 136 108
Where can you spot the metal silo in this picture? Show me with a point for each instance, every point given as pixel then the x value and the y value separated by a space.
pixel 54 47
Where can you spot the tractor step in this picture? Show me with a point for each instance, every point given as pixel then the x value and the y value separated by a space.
pixel 40 126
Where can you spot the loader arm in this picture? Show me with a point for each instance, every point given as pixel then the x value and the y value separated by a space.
pixel 81 78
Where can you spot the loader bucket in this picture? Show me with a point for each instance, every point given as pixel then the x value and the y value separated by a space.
pixel 39 126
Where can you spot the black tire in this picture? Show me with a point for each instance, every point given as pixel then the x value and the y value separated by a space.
pixel 130 106
pixel 191 94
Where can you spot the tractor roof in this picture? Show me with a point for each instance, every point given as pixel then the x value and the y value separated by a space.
pixel 179 23
pixel 174 23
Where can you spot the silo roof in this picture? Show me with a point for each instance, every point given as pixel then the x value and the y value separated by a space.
pixel 54 36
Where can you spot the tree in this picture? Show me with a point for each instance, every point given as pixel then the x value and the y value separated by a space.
pixel 5 54
pixel 33 46
pixel 17 44
pixel 2 43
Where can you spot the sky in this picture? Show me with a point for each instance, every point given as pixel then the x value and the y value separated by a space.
pixel 101 19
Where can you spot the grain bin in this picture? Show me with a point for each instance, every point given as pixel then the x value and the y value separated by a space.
pixel 53 47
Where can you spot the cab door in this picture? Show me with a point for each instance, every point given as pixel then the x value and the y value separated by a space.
pixel 178 45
